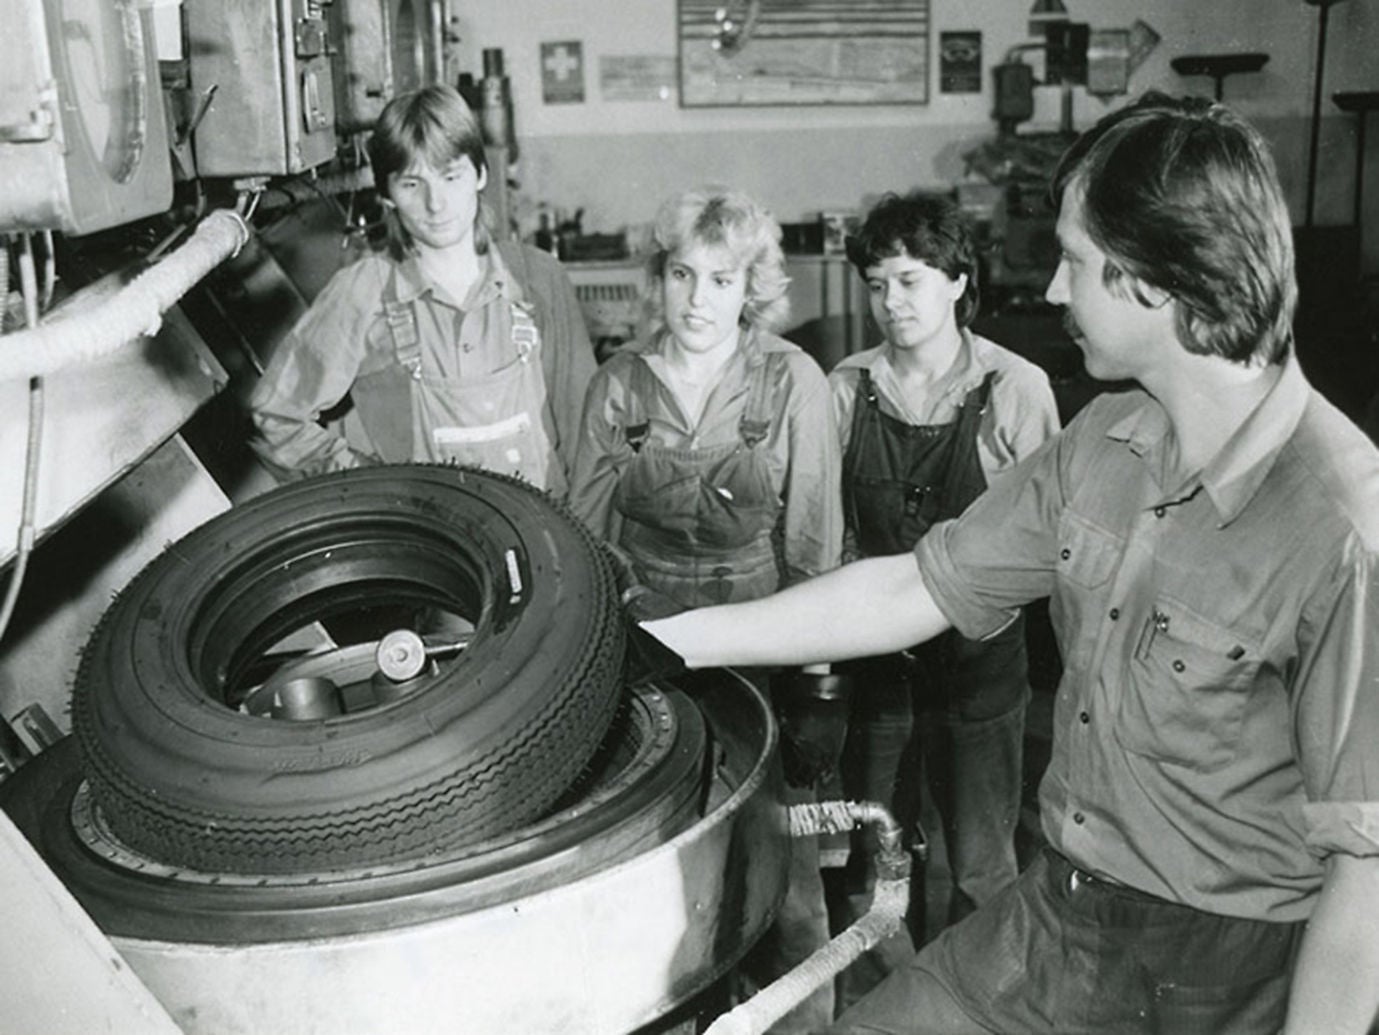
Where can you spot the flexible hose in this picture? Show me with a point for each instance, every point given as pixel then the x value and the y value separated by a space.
pixel 890 899
pixel 134 311
pixel 28 280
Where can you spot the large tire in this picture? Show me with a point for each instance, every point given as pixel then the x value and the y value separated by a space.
pixel 647 782
pixel 487 744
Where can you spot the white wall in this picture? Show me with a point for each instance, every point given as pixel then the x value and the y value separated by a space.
pixel 618 159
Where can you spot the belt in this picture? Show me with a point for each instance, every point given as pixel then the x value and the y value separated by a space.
pixel 1076 877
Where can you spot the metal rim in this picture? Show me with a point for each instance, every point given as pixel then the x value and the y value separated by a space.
pixel 647 785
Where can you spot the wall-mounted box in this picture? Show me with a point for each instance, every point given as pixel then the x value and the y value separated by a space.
pixel 268 63
pixel 83 143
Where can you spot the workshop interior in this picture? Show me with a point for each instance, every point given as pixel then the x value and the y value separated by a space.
pixel 178 181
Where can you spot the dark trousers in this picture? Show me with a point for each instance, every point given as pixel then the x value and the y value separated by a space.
pixel 1061 952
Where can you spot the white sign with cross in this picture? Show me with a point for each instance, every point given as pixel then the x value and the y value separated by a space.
pixel 562 72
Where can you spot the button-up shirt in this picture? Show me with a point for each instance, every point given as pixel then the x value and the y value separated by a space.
pixel 801 446
pixel 345 335
pixel 1216 731
pixel 1020 416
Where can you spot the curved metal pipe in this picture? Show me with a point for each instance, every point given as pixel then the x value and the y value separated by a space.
pixel 29 503
pixel 890 900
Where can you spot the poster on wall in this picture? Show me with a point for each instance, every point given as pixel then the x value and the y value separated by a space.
pixel 636 77
pixel 960 62
pixel 562 72
pixel 773 52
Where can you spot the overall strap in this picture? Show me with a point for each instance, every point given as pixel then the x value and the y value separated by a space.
pixel 641 383
pixel 978 397
pixel 866 388
pixel 865 405
pixel 964 480
pixel 525 335
pixel 402 325
pixel 755 423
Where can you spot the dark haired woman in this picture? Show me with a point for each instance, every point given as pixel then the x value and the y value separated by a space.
pixel 928 418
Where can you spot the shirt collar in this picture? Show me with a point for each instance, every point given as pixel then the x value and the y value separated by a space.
pixel 1233 476
pixel 495 281
pixel 965 374
pixel 749 349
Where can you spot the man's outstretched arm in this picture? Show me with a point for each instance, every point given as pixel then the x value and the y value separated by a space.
pixel 872 606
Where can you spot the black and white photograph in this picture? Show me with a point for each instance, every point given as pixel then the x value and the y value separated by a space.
pixel 689 517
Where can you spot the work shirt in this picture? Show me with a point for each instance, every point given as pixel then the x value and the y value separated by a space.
pixel 1216 726
pixel 346 335
pixel 1020 415
pixel 800 448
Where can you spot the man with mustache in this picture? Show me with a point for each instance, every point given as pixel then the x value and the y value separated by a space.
pixel 1208 544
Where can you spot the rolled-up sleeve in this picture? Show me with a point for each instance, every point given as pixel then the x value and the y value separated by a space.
pixel 1336 712
pixel 1001 553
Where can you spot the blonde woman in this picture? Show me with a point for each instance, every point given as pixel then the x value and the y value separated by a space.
pixel 709 458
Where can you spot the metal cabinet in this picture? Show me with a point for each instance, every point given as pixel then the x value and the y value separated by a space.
pixel 267 70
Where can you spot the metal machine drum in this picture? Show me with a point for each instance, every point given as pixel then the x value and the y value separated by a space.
pixel 83 144
pixel 452 815
pixel 534 932
pixel 381 48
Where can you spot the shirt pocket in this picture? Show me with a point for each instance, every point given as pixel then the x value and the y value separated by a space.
pixel 1086 562
pixel 1188 685
pixel 1087 555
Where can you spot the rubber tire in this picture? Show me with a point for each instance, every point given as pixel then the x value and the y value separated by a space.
pixel 484 747
pixel 647 783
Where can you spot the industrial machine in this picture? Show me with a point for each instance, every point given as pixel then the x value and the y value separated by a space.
pixel 481 829
pixel 83 145
pixel 352 756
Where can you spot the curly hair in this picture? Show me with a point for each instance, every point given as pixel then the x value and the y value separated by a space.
pixel 432 125
pixel 729 219
pixel 1183 195
pixel 924 226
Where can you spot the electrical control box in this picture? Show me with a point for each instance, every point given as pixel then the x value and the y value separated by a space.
pixel 83 141
pixel 265 66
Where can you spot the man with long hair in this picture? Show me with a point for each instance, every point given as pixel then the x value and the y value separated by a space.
pixel 452 347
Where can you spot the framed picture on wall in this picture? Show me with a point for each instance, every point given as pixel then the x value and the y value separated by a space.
pixel 773 52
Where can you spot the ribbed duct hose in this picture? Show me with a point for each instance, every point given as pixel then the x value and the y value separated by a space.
pixel 887 913
pixel 86 333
